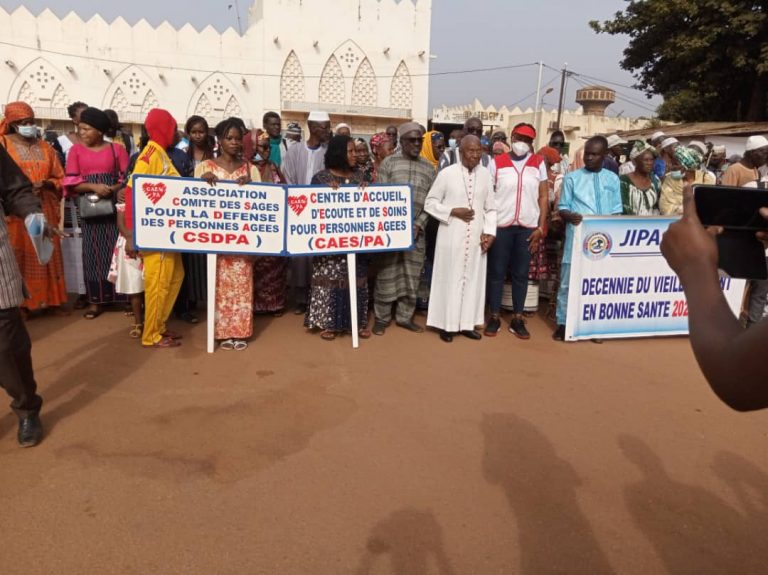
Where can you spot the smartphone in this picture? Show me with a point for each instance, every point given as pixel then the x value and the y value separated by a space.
pixel 731 208
pixel 741 255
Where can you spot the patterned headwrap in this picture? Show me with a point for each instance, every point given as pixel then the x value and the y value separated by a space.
pixel 641 147
pixel 376 141
pixel 551 155
pixel 688 158
pixel 427 151
pixel 14 112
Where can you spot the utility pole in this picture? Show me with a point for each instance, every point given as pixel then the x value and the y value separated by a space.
pixel 538 97
pixel 236 6
pixel 562 96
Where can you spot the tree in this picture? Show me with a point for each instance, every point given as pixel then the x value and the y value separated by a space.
pixel 708 58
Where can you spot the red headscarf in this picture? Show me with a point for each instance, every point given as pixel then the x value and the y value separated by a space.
pixel 551 155
pixel 161 127
pixel 376 140
pixel 14 112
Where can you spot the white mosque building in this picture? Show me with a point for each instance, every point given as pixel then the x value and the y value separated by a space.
pixel 366 62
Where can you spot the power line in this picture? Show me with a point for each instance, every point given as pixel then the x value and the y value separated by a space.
pixel 532 93
pixel 619 96
pixel 261 75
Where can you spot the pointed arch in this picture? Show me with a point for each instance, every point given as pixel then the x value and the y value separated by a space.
pixel 350 56
pixel 401 91
pixel 292 80
pixel 332 84
pixel 60 98
pixel 129 91
pixel 150 101
pixel 365 90
pixel 203 107
pixel 119 103
pixel 36 83
pixel 27 94
pixel 232 108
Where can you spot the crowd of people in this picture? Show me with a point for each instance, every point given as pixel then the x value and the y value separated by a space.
pixel 492 219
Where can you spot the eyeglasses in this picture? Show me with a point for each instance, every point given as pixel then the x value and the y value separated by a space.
pixel 478 130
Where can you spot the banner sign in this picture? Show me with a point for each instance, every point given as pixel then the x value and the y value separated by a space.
pixel 621 285
pixel 188 215
pixel 349 219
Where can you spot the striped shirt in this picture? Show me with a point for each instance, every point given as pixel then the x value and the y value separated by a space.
pixel 16 198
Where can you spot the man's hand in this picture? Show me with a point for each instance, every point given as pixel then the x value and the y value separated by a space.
pixel 572 218
pixel 534 239
pixel 464 214
pixel 486 241
pixel 689 248
pixel 416 232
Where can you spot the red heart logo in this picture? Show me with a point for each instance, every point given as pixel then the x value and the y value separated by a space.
pixel 297 204
pixel 154 192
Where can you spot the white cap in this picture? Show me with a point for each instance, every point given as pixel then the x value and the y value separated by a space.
pixel 755 142
pixel 698 145
pixel 318 116
pixel 657 136
pixel 342 125
pixel 669 142
pixel 615 140
pixel 718 149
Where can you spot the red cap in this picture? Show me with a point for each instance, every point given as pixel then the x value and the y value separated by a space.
pixel 526 131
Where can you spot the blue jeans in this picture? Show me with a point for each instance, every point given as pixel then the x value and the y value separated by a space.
pixel 509 253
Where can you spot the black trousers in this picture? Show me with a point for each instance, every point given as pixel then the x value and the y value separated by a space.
pixel 16 375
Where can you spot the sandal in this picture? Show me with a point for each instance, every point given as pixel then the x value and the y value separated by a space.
pixel 172 335
pixel 240 345
pixel 364 333
pixel 80 303
pixel 92 313
pixel 136 330
pixel 328 335
pixel 164 343
pixel 227 345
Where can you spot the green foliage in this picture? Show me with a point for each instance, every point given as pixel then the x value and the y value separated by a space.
pixel 707 58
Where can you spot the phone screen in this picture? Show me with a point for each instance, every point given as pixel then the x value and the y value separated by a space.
pixel 731 208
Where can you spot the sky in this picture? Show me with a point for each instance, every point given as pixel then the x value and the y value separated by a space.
pixel 466 35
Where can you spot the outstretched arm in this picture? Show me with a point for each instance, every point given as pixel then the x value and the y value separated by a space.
pixel 730 356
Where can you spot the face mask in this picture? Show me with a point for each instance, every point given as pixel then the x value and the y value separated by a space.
pixel 676 175
pixel 27 131
pixel 258 158
pixel 520 148
pixel 452 143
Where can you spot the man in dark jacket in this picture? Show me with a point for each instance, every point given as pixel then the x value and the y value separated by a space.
pixel 16 375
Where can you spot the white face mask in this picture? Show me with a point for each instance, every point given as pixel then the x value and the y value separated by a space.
pixel 676 175
pixel 452 143
pixel 520 148
pixel 27 131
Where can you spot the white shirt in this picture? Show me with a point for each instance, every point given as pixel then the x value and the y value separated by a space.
pixel 517 189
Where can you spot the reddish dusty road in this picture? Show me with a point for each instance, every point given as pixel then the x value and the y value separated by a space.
pixel 407 457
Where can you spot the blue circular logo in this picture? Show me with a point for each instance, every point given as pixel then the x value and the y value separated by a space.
pixel 598 245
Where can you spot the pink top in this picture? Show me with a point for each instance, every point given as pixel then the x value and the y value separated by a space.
pixel 82 162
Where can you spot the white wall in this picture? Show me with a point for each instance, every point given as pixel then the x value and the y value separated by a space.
pixel 57 61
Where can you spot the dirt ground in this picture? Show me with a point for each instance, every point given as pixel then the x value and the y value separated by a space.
pixel 408 457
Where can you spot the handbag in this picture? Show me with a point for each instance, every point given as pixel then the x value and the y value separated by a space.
pixel 93 206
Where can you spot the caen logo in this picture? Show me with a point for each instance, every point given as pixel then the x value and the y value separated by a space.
pixel 154 192
pixel 597 245
pixel 297 204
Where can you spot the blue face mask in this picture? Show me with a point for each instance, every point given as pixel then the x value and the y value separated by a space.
pixel 27 131
pixel 452 143
pixel 258 158
pixel 676 175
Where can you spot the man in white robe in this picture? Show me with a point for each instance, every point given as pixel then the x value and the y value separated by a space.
pixel 462 200
pixel 301 162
